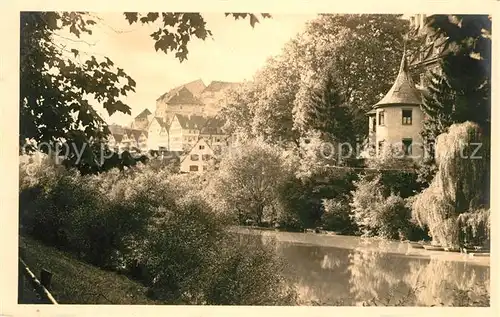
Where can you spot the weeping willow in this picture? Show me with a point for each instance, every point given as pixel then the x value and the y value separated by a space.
pixel 455 207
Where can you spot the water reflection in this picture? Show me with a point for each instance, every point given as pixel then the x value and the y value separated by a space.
pixel 370 272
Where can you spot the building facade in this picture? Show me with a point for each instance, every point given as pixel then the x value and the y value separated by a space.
pixel 200 158
pixel 396 120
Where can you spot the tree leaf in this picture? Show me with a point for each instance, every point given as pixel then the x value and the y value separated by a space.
pixel 131 17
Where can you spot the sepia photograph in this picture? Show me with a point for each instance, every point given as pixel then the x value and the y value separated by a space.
pixel 254 159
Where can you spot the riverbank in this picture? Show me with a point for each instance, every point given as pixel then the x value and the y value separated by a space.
pixel 76 282
pixel 361 243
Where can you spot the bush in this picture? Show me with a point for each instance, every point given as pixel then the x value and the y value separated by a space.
pixel 154 226
pixel 337 216
pixel 377 214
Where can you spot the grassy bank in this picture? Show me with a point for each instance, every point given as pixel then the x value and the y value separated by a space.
pixel 75 282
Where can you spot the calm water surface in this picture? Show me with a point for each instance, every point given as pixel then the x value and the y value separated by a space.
pixel 344 270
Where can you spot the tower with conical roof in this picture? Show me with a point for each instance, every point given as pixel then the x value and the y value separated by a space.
pixel 396 119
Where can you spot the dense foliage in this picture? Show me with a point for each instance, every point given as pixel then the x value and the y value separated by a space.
pixel 455 206
pixel 154 227
pixel 461 91
pixel 295 91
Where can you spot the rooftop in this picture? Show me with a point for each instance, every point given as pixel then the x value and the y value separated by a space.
pixel 195 87
pixel 403 91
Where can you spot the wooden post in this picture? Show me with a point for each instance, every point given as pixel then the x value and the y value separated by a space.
pixel 20 274
pixel 45 278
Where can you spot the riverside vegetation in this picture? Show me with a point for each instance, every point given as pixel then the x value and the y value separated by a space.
pixel 168 230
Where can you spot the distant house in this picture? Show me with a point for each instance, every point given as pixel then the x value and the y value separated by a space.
pixel 142 120
pixel 214 136
pixel 198 159
pixel 124 139
pixel 114 141
pixel 139 140
pixel 181 100
pixel 184 132
pixel 429 56
pixel 157 135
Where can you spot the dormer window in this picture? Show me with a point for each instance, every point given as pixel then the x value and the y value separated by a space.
pixel 407 117
pixel 381 118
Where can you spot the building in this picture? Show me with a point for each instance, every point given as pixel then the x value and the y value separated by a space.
pixel 185 131
pixel 429 56
pixel 181 100
pixel 122 139
pixel 142 120
pixel 396 120
pixel 158 135
pixel 199 158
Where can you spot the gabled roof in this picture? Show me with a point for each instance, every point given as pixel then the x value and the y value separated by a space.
pixel 194 147
pixel 135 133
pixel 160 122
pixel 116 129
pixel 118 137
pixel 144 114
pixel 213 126
pixel 216 86
pixel 403 90
pixel 195 87
pixel 194 122
pixel 181 97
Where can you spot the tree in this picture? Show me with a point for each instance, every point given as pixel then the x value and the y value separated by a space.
pixel 362 51
pixel 56 89
pixel 462 91
pixel 185 26
pixel 53 103
pixel 324 109
pixel 237 111
pixel 357 52
pixel 247 181
pixel 459 191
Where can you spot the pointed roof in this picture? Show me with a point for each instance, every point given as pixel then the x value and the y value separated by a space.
pixel 403 90
pixel 195 87
pixel 144 114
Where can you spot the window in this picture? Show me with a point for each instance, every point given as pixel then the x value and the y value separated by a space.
pixel 202 147
pixel 407 117
pixel 407 144
pixel 374 124
pixel 195 157
pixel 381 119
pixel 193 168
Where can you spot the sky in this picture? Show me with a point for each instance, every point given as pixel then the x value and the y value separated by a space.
pixel 234 53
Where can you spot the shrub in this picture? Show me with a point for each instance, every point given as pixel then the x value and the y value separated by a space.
pixel 376 214
pixel 337 216
pixel 157 228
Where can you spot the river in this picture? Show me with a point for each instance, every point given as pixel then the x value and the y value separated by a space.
pixel 349 271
